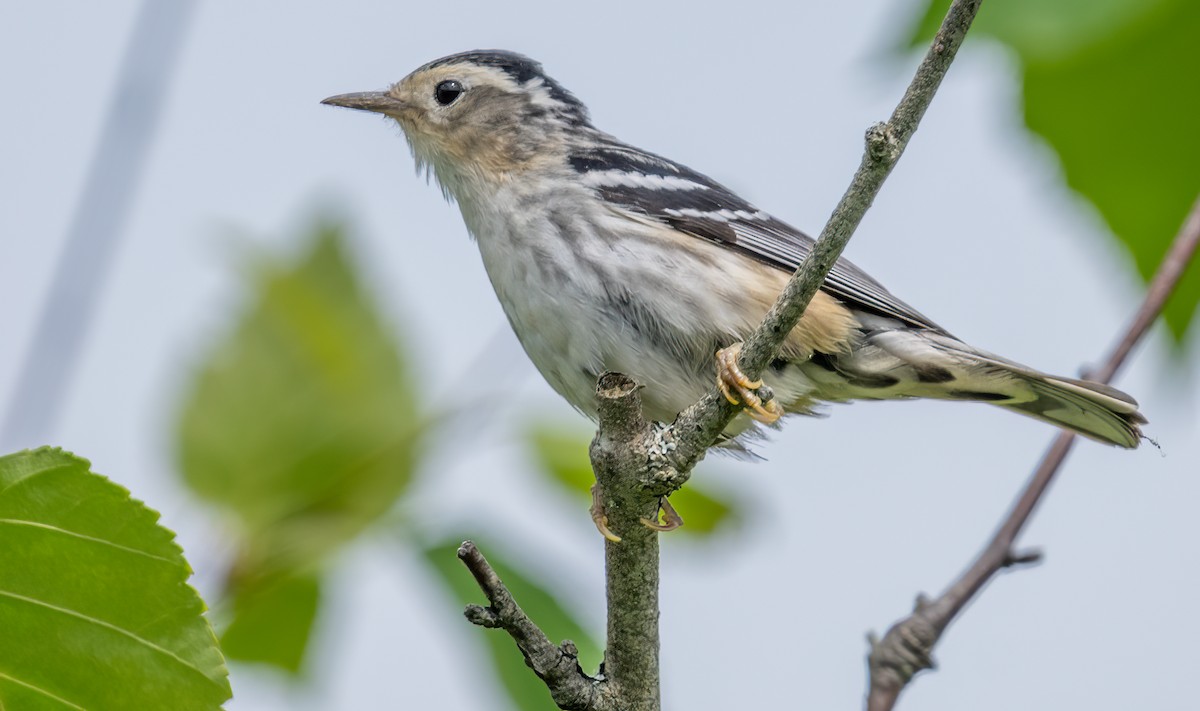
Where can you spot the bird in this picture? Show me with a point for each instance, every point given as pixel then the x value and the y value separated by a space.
pixel 607 257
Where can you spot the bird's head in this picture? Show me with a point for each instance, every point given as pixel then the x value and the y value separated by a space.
pixel 486 114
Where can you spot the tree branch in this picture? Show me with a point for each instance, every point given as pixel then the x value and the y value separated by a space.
pixel 620 453
pixel 907 648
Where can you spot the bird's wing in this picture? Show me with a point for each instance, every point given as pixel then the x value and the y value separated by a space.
pixel 692 203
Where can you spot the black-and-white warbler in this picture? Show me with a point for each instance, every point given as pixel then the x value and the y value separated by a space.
pixel 607 257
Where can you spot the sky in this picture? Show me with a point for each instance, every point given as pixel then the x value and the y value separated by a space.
pixel 851 515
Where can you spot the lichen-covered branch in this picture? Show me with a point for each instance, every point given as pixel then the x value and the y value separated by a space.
pixel 907 648
pixel 620 452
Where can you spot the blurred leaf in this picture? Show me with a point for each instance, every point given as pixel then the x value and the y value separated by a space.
pixel 303 422
pixel 1042 30
pixel 1123 120
pixel 95 607
pixel 563 455
pixel 527 692
pixel 1112 87
pixel 304 425
pixel 272 622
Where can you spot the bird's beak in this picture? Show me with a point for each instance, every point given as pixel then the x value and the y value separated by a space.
pixel 379 102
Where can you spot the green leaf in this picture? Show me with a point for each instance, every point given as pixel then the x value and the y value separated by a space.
pixel 1111 85
pixel 526 691
pixel 563 456
pixel 95 607
pixel 303 424
pixel 272 621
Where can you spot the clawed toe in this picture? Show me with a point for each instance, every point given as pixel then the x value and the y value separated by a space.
pixel 665 519
pixel 739 389
pixel 670 520
pixel 599 517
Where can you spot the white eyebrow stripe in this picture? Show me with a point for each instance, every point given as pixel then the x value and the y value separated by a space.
pixel 629 179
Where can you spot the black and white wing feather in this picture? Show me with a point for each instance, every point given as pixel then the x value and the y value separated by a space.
pixel 693 203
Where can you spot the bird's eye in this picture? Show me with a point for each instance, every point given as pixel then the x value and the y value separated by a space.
pixel 447 92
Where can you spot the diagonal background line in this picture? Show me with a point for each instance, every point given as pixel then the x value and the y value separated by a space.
pixel 112 181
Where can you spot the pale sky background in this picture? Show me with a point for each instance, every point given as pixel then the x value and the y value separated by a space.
pixel 851 516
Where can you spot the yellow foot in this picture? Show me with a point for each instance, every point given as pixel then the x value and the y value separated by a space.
pixel 671 519
pixel 739 390
pixel 599 517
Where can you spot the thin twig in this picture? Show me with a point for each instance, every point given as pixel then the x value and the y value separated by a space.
pixel 907 648
pixel 1169 273
pixel 556 665
pixel 699 426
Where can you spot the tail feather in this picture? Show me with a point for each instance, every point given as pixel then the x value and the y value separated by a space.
pixel 1093 410
pixel 900 363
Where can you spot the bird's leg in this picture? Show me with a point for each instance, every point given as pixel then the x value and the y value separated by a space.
pixel 739 390
pixel 599 517
pixel 671 519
